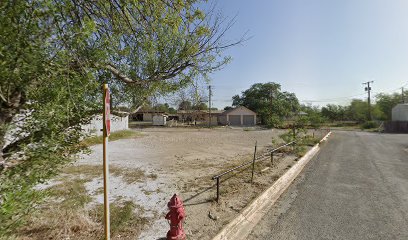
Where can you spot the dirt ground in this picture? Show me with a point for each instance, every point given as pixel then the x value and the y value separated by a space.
pixel 183 161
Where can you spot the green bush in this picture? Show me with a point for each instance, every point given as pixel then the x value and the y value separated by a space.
pixel 369 125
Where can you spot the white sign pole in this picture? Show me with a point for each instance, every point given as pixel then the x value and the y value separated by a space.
pixel 106 129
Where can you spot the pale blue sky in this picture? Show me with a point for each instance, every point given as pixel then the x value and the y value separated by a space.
pixel 318 49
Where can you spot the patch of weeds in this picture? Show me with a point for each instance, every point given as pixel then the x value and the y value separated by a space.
pixel 98 191
pixel 129 175
pixel 309 141
pixel 152 176
pixel 65 215
pixel 58 222
pixel 126 219
pixel 275 177
pixel 369 125
pixel 146 192
pixel 73 192
pixel 124 134
pixel 286 149
pixel 91 171
pixel 300 150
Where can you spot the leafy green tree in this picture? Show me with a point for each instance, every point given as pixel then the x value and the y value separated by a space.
pixel 200 106
pixel 44 100
pixel 334 112
pixel 313 116
pixel 185 105
pixel 385 103
pixel 54 56
pixel 358 110
pixel 270 104
pixel 164 108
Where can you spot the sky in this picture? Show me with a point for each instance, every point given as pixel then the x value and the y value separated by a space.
pixel 321 50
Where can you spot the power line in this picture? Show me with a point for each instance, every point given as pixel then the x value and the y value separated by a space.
pixel 394 90
pixel 352 96
pixel 331 99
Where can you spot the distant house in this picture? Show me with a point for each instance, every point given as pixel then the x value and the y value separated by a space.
pixel 201 116
pixel 146 115
pixel 118 122
pixel 239 116
pixel 160 120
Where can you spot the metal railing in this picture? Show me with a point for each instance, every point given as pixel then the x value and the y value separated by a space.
pixel 259 158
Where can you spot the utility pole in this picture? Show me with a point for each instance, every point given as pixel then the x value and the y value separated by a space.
pixel 271 101
pixel 402 95
pixel 209 105
pixel 368 89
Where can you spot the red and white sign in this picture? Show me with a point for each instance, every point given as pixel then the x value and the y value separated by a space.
pixel 107 112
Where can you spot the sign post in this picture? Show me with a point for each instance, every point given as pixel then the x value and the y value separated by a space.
pixel 106 133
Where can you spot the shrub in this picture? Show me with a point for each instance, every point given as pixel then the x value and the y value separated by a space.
pixel 369 124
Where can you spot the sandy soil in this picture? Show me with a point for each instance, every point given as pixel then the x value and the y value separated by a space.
pixel 183 161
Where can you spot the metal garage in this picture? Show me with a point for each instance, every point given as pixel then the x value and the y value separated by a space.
pixel 235 120
pixel 249 120
pixel 239 116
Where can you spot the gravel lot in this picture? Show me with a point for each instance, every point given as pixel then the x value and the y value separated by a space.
pixel 182 160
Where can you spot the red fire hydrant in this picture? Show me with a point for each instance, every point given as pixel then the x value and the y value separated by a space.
pixel 175 217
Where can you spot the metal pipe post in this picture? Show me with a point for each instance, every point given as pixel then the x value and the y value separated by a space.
pixel 253 163
pixel 218 189
pixel 105 169
pixel 272 158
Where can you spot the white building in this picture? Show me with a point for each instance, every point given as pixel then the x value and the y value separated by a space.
pixel 400 112
pixel 95 125
pixel 159 120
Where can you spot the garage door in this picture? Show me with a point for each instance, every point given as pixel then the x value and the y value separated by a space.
pixel 235 120
pixel 248 120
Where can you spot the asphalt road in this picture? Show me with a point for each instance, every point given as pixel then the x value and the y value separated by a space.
pixel 355 188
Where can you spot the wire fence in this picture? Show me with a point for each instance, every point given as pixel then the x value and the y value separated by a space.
pixel 264 156
pixel 269 154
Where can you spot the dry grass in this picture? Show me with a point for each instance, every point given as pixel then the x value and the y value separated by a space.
pixel 128 175
pixel 60 222
pixel 88 172
pixel 124 134
pixel 65 215
pixel 126 221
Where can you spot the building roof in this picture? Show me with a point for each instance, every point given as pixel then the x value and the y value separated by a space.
pixel 199 111
pixel 404 105
pixel 233 109
pixel 149 111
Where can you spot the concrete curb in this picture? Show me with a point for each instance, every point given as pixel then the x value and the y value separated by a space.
pixel 242 225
